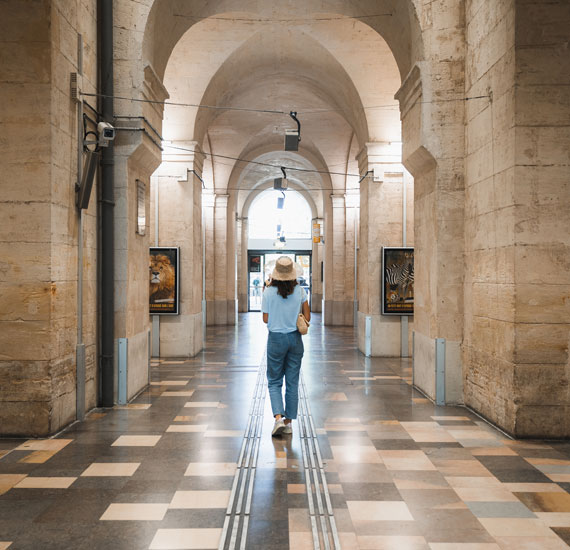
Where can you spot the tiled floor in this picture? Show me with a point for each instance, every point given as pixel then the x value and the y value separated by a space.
pixel 402 473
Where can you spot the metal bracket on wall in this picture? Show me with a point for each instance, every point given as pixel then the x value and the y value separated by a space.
pixel 123 357
pixel 440 371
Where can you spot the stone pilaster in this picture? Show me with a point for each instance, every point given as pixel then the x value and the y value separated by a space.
pixel 381 224
pixel 180 224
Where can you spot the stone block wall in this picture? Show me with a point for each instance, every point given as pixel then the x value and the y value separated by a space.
pixel 517 315
pixel 38 241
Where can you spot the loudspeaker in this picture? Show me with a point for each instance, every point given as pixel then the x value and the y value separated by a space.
pixel 291 140
pixel 87 177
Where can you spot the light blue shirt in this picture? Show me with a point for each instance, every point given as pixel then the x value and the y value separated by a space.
pixel 282 312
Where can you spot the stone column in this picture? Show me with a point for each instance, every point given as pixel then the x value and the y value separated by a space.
pixel 380 225
pixel 208 200
pixel 338 305
pixel 220 260
pixel 180 224
pixel 317 283
pixel 243 290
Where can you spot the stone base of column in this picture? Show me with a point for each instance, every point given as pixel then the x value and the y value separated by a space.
pixel 242 303
pixel 317 303
pixel 384 335
pixel 221 312
pixel 339 313
pixel 181 335
pixel 425 368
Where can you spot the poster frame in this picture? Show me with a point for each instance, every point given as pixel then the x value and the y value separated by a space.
pixel 176 250
pixel 383 253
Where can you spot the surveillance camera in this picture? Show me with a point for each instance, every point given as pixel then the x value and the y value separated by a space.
pixel 106 133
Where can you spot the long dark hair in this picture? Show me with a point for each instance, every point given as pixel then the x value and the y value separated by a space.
pixel 284 288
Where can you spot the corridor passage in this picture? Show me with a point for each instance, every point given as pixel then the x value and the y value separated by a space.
pixel 191 464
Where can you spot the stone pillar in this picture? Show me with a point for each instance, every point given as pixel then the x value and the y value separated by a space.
pixel 208 200
pixel 242 274
pixel 220 262
pixel 381 219
pixel 317 283
pixel 180 224
pixel 339 305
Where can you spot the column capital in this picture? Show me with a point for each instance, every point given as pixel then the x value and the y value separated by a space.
pixel 208 198
pixel 338 200
pixel 187 153
pixel 221 200
pixel 380 157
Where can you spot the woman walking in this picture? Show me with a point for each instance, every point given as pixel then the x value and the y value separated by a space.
pixel 282 302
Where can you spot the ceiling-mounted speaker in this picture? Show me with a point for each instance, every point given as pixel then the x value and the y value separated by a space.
pixel 280 183
pixel 87 177
pixel 291 140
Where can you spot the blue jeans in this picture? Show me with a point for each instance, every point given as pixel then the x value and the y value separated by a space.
pixel 284 355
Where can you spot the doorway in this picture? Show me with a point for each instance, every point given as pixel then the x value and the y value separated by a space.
pixel 260 262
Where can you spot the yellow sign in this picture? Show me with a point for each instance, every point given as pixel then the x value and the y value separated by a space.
pixel 316 232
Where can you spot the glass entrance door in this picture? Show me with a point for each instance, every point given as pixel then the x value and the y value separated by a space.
pixel 260 266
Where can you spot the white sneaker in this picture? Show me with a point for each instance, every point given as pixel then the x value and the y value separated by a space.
pixel 279 427
pixel 288 429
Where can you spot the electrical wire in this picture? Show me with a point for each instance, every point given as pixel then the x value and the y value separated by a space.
pixel 259 163
pixel 287 20
pixel 268 111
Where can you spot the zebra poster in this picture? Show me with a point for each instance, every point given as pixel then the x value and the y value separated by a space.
pixel 397 281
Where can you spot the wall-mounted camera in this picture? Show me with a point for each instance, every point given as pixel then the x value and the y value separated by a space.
pixel 105 133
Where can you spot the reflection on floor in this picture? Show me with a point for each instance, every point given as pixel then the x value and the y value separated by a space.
pixel 402 473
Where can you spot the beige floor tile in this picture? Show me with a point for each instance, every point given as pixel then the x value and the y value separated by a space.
pixel 170 383
pixel 492 451
pixel 474 482
pixel 200 499
pixel 403 484
pixel 44 445
pixel 45 483
pixel 462 468
pixel 406 460
pixel 549 461
pixel 299 521
pixel 197 404
pixel 184 418
pixel 188 393
pixel 559 478
pixel 369 510
pixel 356 454
pixel 335 396
pixel 38 457
pixel 111 469
pixel 463 418
pixel 428 432
pixel 186 539
pixel 134 406
pixel 5 545
pixel 393 542
pixel 464 546
pixel 533 487
pixel 187 428
pixel 348 541
pixel 7 481
pixel 515 527
pixel 471 432
pixel 297 488
pixel 546 502
pixel 301 541
pixel 342 420
pixel 223 433
pixel 135 512
pixel 554 519
pixel 531 543
pixel 485 494
pixel 136 441
pixel 345 427
pixel 211 469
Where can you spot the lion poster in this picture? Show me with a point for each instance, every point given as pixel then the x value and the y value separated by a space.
pixel 397 281
pixel 164 281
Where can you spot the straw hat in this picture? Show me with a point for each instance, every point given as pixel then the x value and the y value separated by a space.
pixel 286 269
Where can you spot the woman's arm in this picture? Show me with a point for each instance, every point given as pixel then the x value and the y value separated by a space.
pixel 306 311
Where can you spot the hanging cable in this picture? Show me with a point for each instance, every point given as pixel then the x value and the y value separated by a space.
pixel 289 20
pixel 269 111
